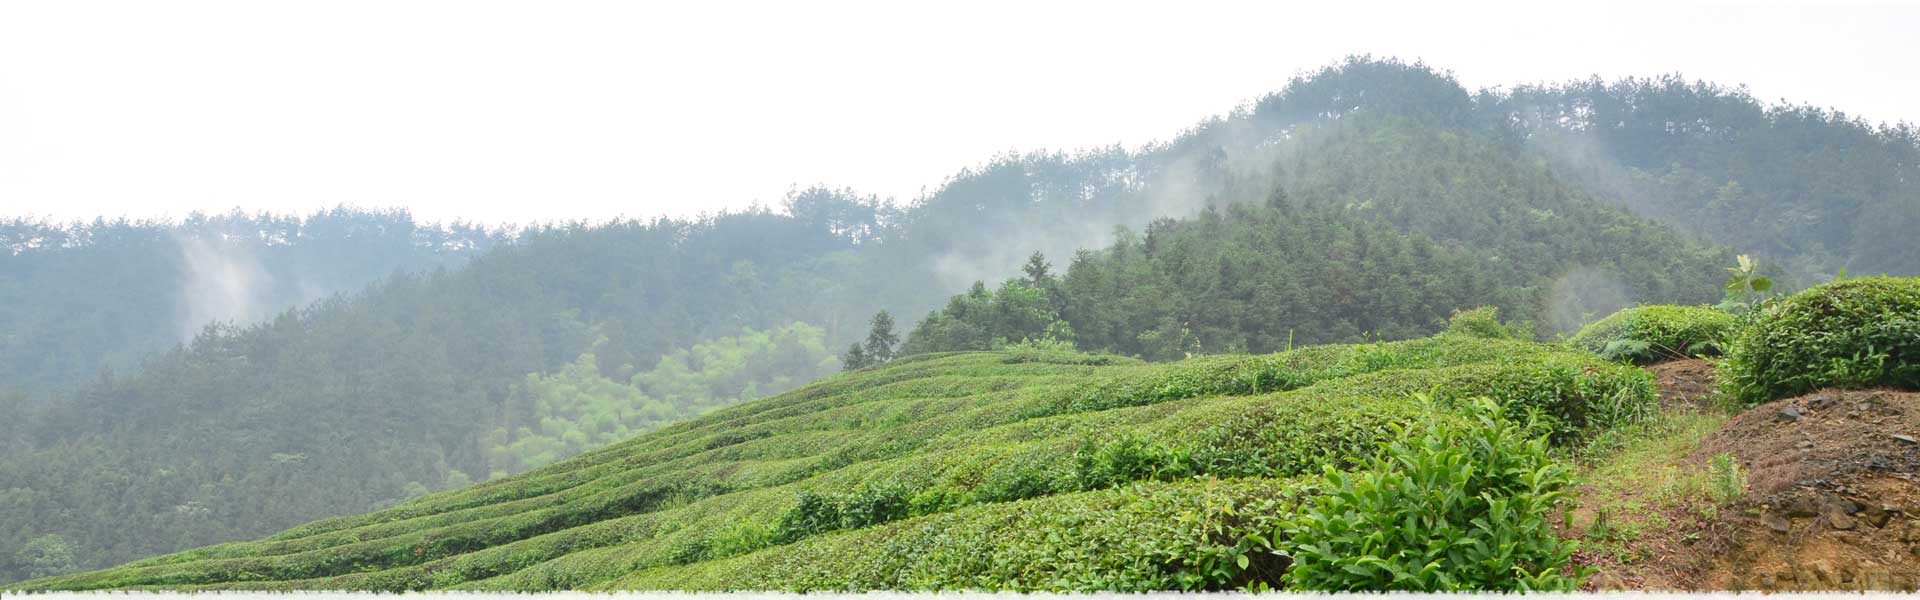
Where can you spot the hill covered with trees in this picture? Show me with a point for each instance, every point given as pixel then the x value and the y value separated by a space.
pixel 77 299
pixel 1365 201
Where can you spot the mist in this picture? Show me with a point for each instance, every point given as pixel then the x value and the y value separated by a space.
pixel 221 282
pixel 1220 162
pixel 1582 295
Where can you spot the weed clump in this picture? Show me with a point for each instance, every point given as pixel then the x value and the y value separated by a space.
pixel 1852 333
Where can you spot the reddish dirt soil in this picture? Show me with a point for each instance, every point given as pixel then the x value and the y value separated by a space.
pixel 1684 382
pixel 1833 498
pixel 1833 494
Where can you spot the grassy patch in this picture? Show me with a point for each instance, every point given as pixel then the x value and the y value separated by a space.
pixel 1636 494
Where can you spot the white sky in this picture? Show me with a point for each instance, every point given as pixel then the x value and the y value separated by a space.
pixel 519 111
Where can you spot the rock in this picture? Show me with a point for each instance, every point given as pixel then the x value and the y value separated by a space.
pixel 1876 515
pixel 1821 572
pixel 1607 582
pixel 1802 507
pixel 1839 519
pixel 1904 439
pixel 1789 414
pixel 1779 522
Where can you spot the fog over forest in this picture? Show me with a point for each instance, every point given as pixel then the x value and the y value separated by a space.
pixel 1370 267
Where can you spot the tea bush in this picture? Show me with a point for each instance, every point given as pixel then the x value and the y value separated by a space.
pixel 976 442
pixel 1851 333
pixel 1644 334
pixel 1452 507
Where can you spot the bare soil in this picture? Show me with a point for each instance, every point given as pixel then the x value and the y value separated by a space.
pixel 1684 382
pixel 1833 494
pixel 1832 499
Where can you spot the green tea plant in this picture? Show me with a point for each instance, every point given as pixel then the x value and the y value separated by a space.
pixel 987 470
pixel 1853 333
pixel 1644 334
pixel 1449 507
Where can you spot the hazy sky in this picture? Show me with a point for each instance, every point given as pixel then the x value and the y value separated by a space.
pixel 517 111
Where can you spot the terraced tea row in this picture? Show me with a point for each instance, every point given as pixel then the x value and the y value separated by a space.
pixel 943 440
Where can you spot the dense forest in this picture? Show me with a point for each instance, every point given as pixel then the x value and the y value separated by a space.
pixel 1365 201
pixel 79 299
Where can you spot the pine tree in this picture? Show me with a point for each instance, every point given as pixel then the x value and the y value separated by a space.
pixel 855 358
pixel 881 340
pixel 1037 270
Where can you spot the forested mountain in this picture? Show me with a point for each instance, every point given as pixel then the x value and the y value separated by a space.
pixel 79 298
pixel 1816 189
pixel 1368 200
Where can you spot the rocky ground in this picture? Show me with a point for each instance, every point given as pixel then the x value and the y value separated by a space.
pixel 1832 493
pixel 1829 494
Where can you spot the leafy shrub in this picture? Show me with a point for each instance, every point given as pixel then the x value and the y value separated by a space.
pixel 811 514
pixel 1573 394
pixel 1126 460
pixel 1484 322
pixel 1450 508
pixel 1187 535
pixel 1853 333
pixel 1644 334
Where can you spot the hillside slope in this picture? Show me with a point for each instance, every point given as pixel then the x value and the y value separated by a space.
pixel 1024 469
pixel 421 379
pixel 1361 202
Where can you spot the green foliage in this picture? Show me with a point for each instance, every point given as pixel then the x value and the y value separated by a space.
pixel 1728 482
pixel 1359 237
pixel 46 556
pixel 577 409
pixel 1485 322
pixel 1191 535
pixel 1016 313
pixel 881 339
pixel 1043 471
pixel 1444 508
pixel 1644 334
pixel 82 298
pixel 1860 332
pixel 1363 202
pixel 1812 189
pixel 855 358
pixel 1745 287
